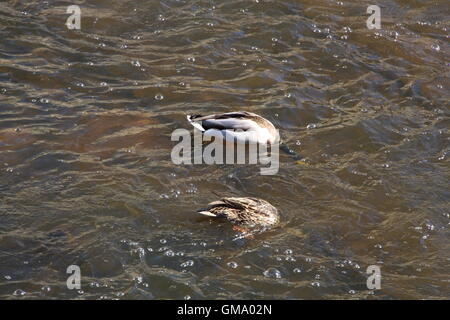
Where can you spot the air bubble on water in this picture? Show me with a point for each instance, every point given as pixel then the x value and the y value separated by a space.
pixel 136 63
pixel 159 97
pixel 274 40
pixel 192 189
pixel 46 288
pixel 163 241
pixel 429 226
pixel 10 170
pixel 288 251
pixel 8 277
pixel 352 291
pixel 347 29
pixel 290 258
pixel 297 270
pixel 308 259
pixel 19 292
pixel 169 253
pixel 311 126
pixel 254 48
pixel 141 252
pixel 315 284
pixel 188 263
pixel 191 59
pixel 187 297
pixel 103 84
pixel 43 100
pixel 272 273
pixel 435 47
pixel 232 265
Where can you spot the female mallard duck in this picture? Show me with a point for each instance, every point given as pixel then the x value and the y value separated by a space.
pixel 244 212
pixel 241 126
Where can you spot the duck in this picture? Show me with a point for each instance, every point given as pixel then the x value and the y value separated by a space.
pixel 243 212
pixel 239 126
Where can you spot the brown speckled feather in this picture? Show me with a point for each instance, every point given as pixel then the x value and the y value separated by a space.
pixel 251 212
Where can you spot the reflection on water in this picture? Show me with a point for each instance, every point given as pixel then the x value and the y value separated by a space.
pixel 85 170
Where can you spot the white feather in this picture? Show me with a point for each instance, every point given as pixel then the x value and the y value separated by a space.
pixel 195 124
pixel 207 213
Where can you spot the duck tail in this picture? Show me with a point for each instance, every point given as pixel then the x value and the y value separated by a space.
pixel 207 213
pixel 191 118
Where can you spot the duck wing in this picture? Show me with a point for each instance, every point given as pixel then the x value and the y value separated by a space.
pixel 226 121
pixel 240 203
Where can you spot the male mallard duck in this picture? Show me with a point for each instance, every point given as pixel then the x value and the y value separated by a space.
pixel 241 125
pixel 243 212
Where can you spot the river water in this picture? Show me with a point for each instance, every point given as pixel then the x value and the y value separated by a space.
pixel 86 176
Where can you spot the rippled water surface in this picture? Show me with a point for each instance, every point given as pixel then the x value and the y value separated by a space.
pixel 86 176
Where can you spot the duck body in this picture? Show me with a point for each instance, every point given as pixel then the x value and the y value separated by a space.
pixel 245 212
pixel 239 126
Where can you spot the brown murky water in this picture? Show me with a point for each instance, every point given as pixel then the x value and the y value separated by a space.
pixel 86 176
